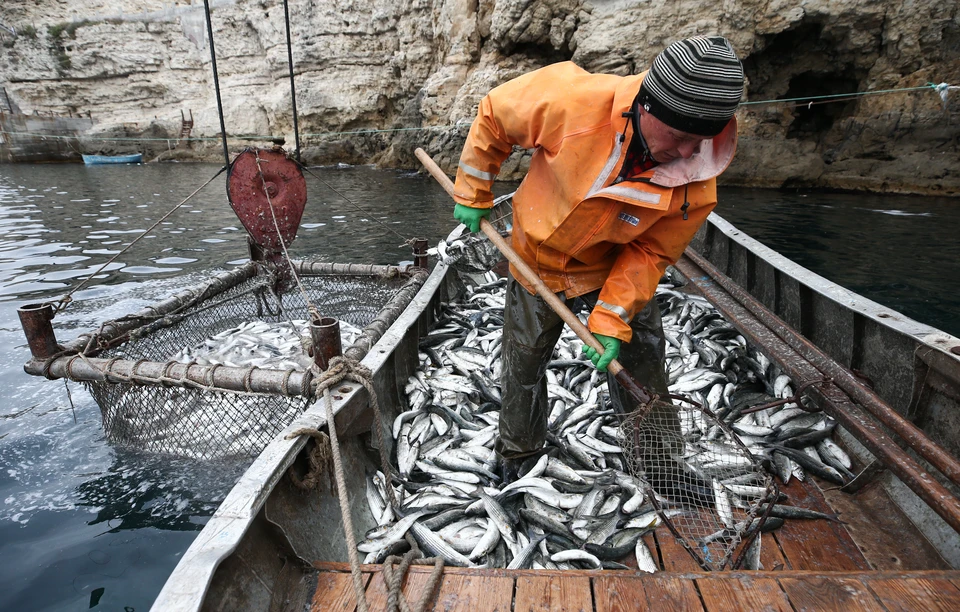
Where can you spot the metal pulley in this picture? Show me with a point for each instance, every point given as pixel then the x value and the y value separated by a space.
pixel 259 179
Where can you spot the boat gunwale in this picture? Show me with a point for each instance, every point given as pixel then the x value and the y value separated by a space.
pixel 881 315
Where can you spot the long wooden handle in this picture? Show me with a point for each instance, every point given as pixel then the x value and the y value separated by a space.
pixel 531 277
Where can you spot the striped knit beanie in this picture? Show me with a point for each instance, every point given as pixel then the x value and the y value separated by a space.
pixel 694 85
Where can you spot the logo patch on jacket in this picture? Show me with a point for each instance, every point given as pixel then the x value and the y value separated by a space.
pixel 628 218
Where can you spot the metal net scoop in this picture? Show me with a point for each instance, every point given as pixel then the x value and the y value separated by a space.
pixel 473 253
pixel 705 485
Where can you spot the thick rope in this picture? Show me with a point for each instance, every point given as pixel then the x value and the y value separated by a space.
pixel 319 460
pixel 344 368
pixel 340 369
pixel 394 579
pixel 348 531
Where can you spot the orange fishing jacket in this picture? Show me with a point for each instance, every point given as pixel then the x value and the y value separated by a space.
pixel 572 224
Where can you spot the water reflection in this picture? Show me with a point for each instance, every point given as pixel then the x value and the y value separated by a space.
pixel 97 211
pixel 140 490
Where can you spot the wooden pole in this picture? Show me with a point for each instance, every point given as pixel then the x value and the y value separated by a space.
pixel 639 393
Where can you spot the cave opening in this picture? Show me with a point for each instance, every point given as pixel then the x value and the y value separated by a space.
pixel 543 55
pixel 803 62
pixel 816 117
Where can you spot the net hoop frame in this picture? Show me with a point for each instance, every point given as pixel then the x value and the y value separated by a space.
pixel 745 537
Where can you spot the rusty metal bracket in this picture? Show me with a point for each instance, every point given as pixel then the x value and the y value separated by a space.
pixel 261 179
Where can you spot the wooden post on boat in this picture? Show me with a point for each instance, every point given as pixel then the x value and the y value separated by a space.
pixel 631 386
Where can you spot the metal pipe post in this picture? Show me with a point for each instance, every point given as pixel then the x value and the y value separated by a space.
pixel 36 320
pixel 420 253
pixel 325 333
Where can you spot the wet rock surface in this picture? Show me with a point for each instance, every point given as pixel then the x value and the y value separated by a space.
pixel 362 65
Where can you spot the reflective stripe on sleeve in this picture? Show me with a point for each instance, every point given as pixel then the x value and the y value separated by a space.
pixel 629 192
pixel 480 174
pixel 617 310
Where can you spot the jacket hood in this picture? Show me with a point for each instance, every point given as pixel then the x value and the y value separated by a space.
pixel 713 158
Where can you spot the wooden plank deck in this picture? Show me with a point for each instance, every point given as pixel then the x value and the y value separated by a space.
pixel 808 565
pixel 816 545
pixel 490 590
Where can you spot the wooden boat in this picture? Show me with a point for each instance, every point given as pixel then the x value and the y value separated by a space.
pixel 269 542
pixel 95 160
pixel 271 546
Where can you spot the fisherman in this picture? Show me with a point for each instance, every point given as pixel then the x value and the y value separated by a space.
pixel 623 174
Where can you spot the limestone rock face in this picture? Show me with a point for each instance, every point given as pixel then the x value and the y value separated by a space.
pixel 374 80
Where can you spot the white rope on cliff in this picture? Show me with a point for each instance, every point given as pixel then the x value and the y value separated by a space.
pixel 944 90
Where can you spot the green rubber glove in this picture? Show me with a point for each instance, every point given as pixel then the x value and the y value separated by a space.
pixel 611 349
pixel 470 216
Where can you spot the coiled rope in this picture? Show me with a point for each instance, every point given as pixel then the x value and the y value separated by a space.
pixel 394 578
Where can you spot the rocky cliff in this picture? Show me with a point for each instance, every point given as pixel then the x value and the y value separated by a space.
pixel 376 79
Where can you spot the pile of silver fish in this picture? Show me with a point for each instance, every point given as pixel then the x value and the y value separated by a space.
pixel 190 423
pixel 264 345
pixel 577 506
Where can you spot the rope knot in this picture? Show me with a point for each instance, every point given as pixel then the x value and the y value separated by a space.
pixel 340 369
pixel 944 90
pixel 319 460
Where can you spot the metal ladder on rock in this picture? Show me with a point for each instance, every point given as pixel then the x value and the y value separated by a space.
pixel 186 125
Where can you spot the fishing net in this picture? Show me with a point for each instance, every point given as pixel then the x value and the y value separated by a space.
pixel 704 483
pixel 473 253
pixel 234 322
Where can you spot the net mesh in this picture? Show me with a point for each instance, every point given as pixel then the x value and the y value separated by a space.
pixel 262 329
pixel 355 300
pixel 705 485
